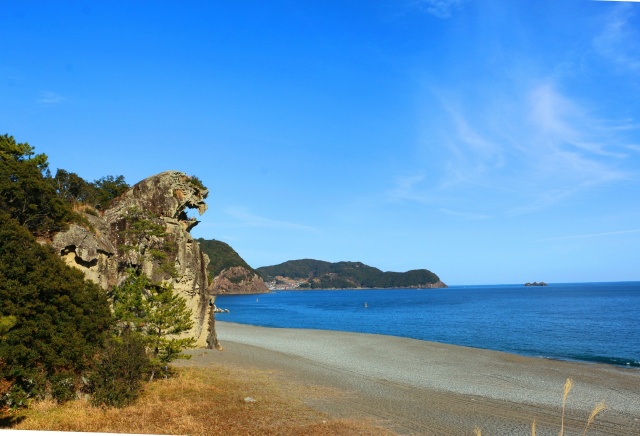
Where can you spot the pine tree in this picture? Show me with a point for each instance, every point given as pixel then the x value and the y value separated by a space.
pixel 156 312
pixel 26 192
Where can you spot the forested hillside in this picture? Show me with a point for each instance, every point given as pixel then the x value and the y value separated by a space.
pixel 317 274
pixel 221 256
pixel 229 273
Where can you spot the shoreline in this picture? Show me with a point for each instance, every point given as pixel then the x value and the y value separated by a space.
pixel 444 286
pixel 415 386
pixel 602 361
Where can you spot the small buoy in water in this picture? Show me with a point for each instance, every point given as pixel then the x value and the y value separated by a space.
pixel 365 304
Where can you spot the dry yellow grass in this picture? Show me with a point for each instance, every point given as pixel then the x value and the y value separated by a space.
pixel 533 428
pixel 567 388
pixel 201 402
pixel 600 407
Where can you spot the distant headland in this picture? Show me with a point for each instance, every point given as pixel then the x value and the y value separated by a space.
pixel 317 274
pixel 536 284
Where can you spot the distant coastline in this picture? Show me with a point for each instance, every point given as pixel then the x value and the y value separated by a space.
pixel 438 285
pixel 317 274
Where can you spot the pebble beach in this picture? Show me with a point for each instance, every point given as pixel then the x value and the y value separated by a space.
pixel 418 387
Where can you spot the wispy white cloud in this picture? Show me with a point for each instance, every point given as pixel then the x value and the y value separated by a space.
pixel 629 125
pixel 51 98
pixel 569 129
pixel 248 219
pixel 568 149
pixel 405 188
pixel 476 154
pixel 619 41
pixel 517 151
pixel 439 8
pixel 589 235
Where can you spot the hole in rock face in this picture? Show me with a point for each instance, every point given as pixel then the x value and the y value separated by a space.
pixel 188 215
pixel 91 263
pixel 72 249
pixel 68 249
pixel 191 214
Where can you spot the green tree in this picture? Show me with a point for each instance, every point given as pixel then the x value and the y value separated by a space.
pixel 74 189
pixel 107 188
pixel 25 193
pixel 61 319
pixel 12 150
pixel 141 225
pixel 119 370
pixel 156 312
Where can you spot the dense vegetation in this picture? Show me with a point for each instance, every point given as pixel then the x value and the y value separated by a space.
pixel 58 321
pixel 221 256
pixel 58 336
pixel 42 203
pixel 26 191
pixel 318 274
pixel 61 319
pixel 75 190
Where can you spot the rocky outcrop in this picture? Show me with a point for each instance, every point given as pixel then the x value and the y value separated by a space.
pixel 90 250
pixel 166 194
pixel 238 280
pixel 230 273
pixel 147 228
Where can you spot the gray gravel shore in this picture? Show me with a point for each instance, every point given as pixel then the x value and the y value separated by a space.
pixel 423 387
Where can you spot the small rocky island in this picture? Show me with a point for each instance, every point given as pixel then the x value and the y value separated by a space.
pixel 536 284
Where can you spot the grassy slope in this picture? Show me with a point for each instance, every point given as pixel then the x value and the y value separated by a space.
pixel 199 402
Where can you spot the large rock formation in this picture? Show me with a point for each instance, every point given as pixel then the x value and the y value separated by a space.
pixel 239 280
pixel 147 228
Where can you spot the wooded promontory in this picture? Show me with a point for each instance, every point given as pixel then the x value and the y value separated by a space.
pixel 318 274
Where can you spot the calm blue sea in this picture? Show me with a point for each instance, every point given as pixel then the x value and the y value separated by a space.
pixel 593 322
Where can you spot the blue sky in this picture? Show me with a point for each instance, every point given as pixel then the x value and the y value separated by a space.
pixel 488 141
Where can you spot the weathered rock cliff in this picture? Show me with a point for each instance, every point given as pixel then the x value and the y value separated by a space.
pixel 239 280
pixel 147 228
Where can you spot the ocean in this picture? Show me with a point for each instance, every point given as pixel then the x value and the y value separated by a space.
pixel 591 322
